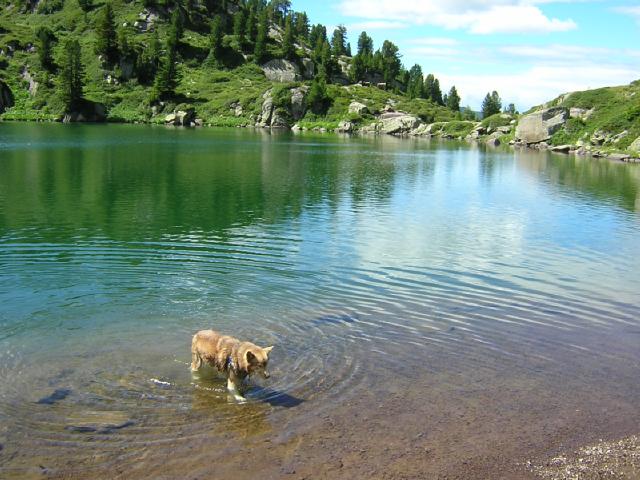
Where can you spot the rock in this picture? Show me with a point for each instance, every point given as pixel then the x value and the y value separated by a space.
pixel 126 69
pixel 280 70
pixel 622 157
pixel 358 108
pixel 309 68
pixel 493 142
pixel 634 147
pixel 561 148
pixel 296 128
pixel 598 137
pixel 198 122
pixel 264 119
pixel 33 85
pixel 540 126
pixel 398 125
pixel 237 109
pixel 422 130
pixel 580 113
pixel 181 118
pixel 298 104
pixel 618 137
pixel 275 33
pixel 279 120
pixel 6 97
pixel 58 395
pixel 504 130
pixel 345 127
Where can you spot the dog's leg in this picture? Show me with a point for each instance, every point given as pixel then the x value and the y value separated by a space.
pixel 196 360
pixel 232 387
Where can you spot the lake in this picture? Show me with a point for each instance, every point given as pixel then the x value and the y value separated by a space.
pixel 437 309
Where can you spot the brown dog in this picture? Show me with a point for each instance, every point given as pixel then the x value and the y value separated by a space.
pixel 229 355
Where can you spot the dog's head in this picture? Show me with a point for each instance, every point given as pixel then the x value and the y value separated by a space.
pixel 257 360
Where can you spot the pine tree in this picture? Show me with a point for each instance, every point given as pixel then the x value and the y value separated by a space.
pixel 260 50
pixel 317 36
pixel 491 105
pixel 215 43
pixel 71 76
pixel 318 99
pixel 453 100
pixel 239 21
pixel 302 25
pixel 415 85
pixel 391 61
pixel 288 48
pixel 167 77
pixel 327 66
pixel 348 51
pixel 106 34
pixel 365 44
pixel 251 26
pixel 338 41
pixel 148 60
pixel 437 93
pixel 358 69
pixel 46 38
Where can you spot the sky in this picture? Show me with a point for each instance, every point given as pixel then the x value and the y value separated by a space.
pixel 530 51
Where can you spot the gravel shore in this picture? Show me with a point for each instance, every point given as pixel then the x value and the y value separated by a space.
pixel 605 460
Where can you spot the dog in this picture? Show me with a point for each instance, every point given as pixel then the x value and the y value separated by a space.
pixel 238 360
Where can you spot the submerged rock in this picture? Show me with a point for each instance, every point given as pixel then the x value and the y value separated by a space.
pixel 58 395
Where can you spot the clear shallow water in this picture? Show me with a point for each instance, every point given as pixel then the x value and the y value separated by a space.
pixel 375 266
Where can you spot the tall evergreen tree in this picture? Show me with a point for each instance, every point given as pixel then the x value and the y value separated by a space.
pixel 85 5
pixel 106 42
pixel 71 75
pixel 260 50
pixel 453 100
pixel 302 25
pixel 365 44
pixel 358 69
pixel 437 93
pixel 391 61
pixel 215 43
pixel 167 77
pixel 288 48
pixel 239 21
pixel 318 98
pixel 339 41
pixel 491 105
pixel 46 38
pixel 415 85
pixel 317 36
pixel 326 68
pixel 149 60
pixel 251 26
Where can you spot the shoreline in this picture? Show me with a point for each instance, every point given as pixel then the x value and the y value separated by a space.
pixel 615 156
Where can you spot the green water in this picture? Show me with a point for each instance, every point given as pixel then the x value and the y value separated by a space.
pixel 354 256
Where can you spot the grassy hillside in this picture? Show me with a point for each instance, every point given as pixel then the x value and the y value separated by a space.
pixel 215 92
pixel 610 118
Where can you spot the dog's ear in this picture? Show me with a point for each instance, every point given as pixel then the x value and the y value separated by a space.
pixel 267 350
pixel 251 358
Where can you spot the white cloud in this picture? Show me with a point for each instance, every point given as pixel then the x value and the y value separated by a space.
pixel 537 84
pixel 375 25
pixel 535 74
pixel 476 16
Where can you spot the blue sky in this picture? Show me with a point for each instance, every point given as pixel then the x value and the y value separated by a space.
pixel 529 50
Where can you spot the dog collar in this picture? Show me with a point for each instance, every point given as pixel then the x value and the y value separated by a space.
pixel 229 363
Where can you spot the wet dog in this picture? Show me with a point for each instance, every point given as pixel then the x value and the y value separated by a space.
pixel 230 356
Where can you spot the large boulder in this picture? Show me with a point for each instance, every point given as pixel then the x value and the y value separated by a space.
pixel 280 70
pixel 309 68
pixel 399 124
pixel 539 126
pixel 359 108
pixel 264 119
pixel 298 103
pixel 181 118
pixel 6 97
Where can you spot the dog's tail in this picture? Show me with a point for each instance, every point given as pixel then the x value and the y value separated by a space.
pixel 196 359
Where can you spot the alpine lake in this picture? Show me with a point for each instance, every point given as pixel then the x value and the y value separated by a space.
pixel 437 310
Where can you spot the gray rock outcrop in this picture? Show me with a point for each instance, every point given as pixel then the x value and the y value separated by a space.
pixel 280 70
pixel 181 118
pixel 399 124
pixel 298 103
pixel 358 108
pixel 539 126
pixel 635 145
